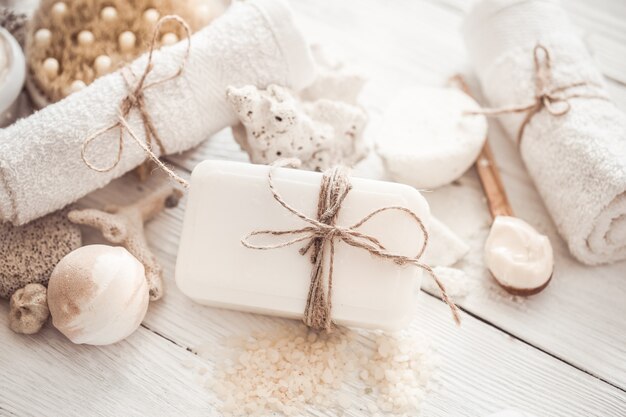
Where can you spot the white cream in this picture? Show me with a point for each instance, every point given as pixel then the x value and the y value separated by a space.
pixel 519 257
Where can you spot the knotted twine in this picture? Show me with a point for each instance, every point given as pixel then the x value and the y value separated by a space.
pixel 334 188
pixel 554 99
pixel 323 232
pixel 135 99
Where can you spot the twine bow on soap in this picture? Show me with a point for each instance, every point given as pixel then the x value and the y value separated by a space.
pixel 135 99
pixel 554 99
pixel 323 232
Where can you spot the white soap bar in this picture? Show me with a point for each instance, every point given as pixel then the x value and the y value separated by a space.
pixel 426 140
pixel 228 200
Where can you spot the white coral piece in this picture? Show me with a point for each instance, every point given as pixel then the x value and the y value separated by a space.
pixel 276 125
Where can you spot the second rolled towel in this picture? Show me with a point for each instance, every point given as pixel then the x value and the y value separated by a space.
pixel 576 155
pixel 41 168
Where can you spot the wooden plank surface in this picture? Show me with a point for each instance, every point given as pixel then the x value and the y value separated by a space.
pixel 46 375
pixel 581 300
pixel 562 353
pixel 482 369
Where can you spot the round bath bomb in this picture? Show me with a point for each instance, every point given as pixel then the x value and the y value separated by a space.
pixel 98 295
pixel 427 141
pixel 30 252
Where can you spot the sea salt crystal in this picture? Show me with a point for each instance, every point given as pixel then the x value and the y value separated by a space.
pixel 284 371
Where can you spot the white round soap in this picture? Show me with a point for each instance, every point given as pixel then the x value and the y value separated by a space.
pixel 426 140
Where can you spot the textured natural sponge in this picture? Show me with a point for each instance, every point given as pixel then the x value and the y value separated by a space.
pixel 66 39
pixel 30 252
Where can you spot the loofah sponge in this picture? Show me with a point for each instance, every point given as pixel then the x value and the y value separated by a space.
pixel 30 252
pixel 72 43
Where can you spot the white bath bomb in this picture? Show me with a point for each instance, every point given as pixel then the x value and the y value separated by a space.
pixel 426 140
pixel 98 295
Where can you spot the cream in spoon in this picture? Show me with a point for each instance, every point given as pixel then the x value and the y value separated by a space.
pixel 518 257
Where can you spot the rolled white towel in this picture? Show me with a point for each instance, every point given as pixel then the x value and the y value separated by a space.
pixel 577 160
pixel 41 169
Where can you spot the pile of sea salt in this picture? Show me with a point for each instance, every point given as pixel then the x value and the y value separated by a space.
pixel 291 368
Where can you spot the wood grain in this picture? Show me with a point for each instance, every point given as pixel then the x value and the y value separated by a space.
pixel 578 320
pixel 46 375
pixel 581 300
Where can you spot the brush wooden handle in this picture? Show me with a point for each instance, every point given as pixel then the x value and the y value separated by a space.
pixel 488 171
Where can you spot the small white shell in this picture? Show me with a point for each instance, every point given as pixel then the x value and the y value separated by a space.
pixel 98 295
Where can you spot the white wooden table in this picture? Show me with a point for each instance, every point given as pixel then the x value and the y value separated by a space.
pixel 560 353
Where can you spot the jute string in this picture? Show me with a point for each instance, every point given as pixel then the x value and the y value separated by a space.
pixel 135 99
pixel 554 99
pixel 323 232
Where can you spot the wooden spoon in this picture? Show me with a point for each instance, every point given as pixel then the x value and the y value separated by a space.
pixel 519 258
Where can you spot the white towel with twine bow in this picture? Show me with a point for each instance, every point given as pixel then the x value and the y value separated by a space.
pixel 41 169
pixel 574 144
